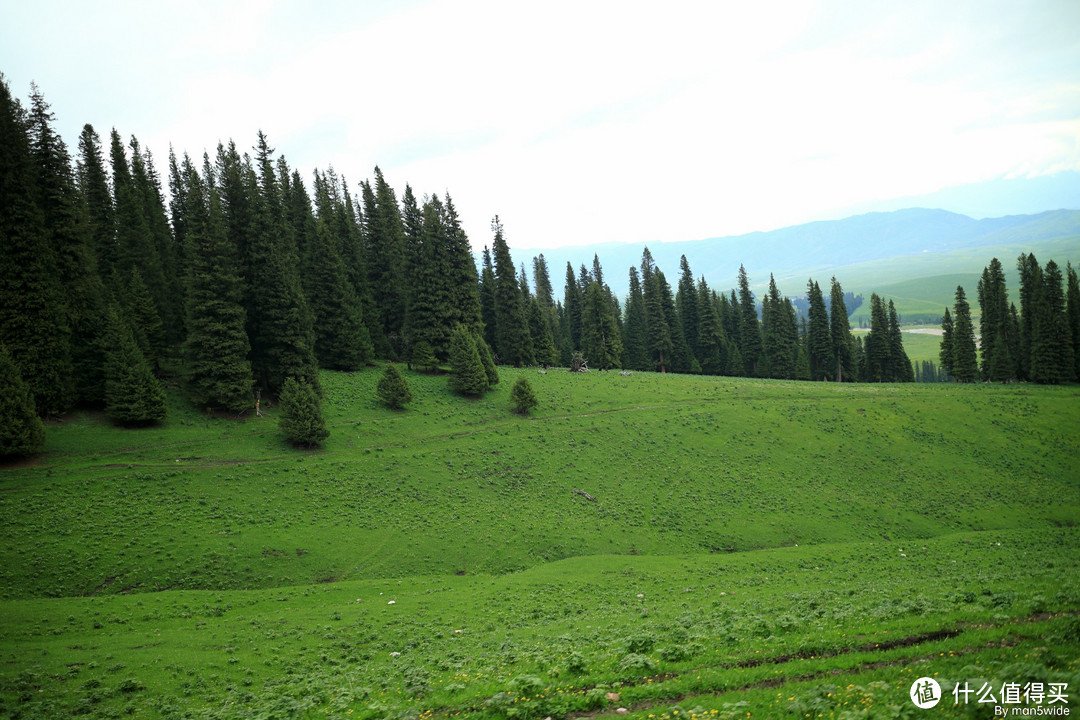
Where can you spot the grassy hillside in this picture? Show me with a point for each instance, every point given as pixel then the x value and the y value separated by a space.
pixel 744 535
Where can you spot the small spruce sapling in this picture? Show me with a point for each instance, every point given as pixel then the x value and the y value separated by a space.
pixel 522 397
pixel 301 414
pixel 392 388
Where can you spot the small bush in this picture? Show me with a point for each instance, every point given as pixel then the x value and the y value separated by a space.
pixel 423 357
pixel 522 397
pixel 301 414
pixel 392 389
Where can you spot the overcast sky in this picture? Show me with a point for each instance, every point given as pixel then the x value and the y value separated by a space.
pixel 581 122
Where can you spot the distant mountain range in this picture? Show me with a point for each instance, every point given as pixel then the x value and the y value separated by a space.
pixel 814 249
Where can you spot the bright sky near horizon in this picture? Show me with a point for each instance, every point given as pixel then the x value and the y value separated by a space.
pixel 581 122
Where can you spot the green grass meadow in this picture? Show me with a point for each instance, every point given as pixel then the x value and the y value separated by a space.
pixel 751 548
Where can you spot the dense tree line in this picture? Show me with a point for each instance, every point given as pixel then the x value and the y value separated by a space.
pixel 1040 342
pixel 248 279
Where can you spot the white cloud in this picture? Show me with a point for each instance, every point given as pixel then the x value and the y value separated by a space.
pixel 584 122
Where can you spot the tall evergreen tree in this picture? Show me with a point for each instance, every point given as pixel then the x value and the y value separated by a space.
pixel 947 353
pixel 712 342
pixel 660 345
pixel 540 332
pixel 749 328
pixel 839 331
pixel 878 360
pixel 512 340
pixel 965 366
pixel 135 246
pixel 281 328
pixel 1052 359
pixel 342 341
pixel 600 341
pixel 217 368
pixel 635 336
pixel 994 323
pixel 140 311
pixel 686 307
pixel 65 221
pixel 779 333
pixel 682 360
pixel 1031 288
pixel 487 298
pixel 545 298
pixel 98 200
pixel 1072 305
pixel 461 278
pixel 821 361
pixel 133 396
pixel 384 255
pixel 572 301
pixel 33 323
pixel 146 185
pixel 21 430
pixel 901 370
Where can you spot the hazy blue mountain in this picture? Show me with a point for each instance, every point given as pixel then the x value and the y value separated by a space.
pixel 814 249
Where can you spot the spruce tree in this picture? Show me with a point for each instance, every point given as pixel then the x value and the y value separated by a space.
pixel 778 331
pixel 1031 289
pixel 901 370
pixel 392 389
pixel 658 326
pixel 217 369
pixel 572 300
pixel 486 359
pixel 749 328
pixel 682 360
pixel 965 364
pixel 282 333
pixel 1072 311
pixel 384 254
pixel 821 364
pixel 486 293
pixel 712 342
pixel 65 220
pixel 1052 359
pixel 686 307
pixel 540 331
pixel 301 418
pixel 342 341
pixel 423 357
pixel 133 396
pixel 21 430
pixel 878 360
pixel 513 343
pixel 635 335
pixel 467 376
pixel 427 301
pixel 168 297
pixel 141 313
pixel 98 200
pixel 522 397
pixel 947 353
pixel 135 246
pixel 600 341
pixel 996 323
pixel 839 332
pixel 461 278
pixel 33 316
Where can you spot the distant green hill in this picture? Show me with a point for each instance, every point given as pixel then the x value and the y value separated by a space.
pixel 864 252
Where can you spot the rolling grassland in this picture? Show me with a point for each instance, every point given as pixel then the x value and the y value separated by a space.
pixel 674 546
